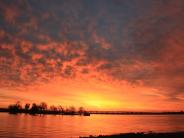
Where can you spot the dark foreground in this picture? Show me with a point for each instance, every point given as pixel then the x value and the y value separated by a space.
pixel 142 135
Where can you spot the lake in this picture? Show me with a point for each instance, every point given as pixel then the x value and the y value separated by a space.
pixel 27 126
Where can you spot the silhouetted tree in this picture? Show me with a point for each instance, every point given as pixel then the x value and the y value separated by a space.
pixel 15 108
pixel 34 108
pixel 81 110
pixel 26 107
pixel 53 108
pixel 60 108
pixel 43 106
pixel 42 109
pixel 71 109
pixel 18 104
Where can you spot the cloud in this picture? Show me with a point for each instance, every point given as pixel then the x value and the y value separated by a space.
pixel 123 40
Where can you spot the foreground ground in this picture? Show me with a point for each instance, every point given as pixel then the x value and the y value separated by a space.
pixel 142 135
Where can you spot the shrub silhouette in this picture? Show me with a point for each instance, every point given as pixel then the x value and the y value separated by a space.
pixel 27 106
pixel 61 109
pixel 43 106
pixel 15 108
pixel 71 110
pixel 81 110
pixel 53 108
pixel 34 108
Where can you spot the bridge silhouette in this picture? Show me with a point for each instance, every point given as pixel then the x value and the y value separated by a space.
pixel 133 113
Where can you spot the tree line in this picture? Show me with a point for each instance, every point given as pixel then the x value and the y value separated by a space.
pixel 43 108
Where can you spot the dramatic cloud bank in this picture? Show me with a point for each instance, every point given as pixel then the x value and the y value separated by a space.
pixel 130 49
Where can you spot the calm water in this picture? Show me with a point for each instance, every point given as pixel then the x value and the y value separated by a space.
pixel 54 126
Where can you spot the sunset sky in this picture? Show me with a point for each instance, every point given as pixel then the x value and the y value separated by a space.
pixel 100 54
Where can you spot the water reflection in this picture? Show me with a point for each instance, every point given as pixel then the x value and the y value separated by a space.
pixel 22 125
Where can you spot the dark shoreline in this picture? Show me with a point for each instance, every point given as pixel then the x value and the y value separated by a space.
pixel 42 112
pixel 142 135
pixel 93 112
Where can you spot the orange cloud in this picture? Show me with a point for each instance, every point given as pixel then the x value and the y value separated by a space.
pixel 109 55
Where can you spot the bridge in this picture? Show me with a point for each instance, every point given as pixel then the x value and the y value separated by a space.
pixel 133 113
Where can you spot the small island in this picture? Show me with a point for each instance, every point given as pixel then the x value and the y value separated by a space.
pixel 43 108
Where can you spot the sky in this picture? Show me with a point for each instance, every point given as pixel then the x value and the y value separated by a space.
pixel 99 54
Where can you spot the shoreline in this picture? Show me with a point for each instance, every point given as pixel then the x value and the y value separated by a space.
pixel 42 112
pixel 90 112
pixel 141 135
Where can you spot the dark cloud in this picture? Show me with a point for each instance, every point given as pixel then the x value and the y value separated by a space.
pixel 126 40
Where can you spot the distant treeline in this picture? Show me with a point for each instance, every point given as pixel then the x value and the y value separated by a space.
pixel 43 108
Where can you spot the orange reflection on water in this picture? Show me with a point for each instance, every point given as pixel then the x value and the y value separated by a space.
pixel 74 126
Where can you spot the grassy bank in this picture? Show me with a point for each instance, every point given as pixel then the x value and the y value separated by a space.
pixel 142 135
